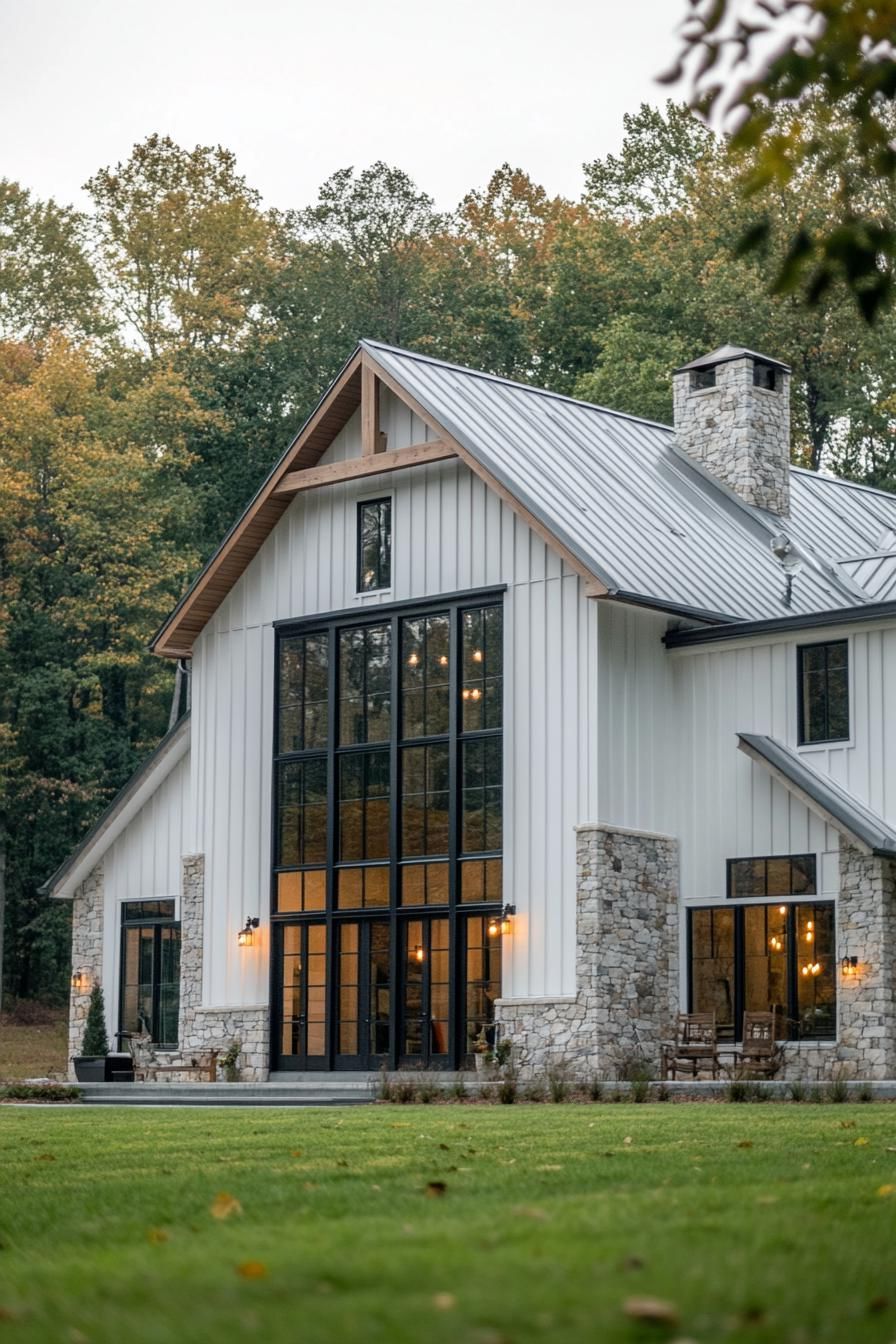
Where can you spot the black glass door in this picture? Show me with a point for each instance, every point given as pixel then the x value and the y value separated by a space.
pixel 425 960
pixel 301 958
pixel 363 993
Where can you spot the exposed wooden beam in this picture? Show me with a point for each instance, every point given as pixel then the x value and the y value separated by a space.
pixel 414 456
pixel 370 412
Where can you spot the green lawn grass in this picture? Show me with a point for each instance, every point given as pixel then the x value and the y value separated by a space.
pixel 762 1223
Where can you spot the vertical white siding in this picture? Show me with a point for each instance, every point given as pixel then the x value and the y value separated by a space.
pixel 450 534
pixel 144 864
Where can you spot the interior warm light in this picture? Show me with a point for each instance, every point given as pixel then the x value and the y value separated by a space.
pixel 246 935
pixel 811 968
pixel 477 655
pixel 776 944
pixel 413 660
pixel 443 661
pixel 782 909
pixel 810 936
pixel 494 928
pixel 418 952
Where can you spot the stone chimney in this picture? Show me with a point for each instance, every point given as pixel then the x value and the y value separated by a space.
pixel 732 415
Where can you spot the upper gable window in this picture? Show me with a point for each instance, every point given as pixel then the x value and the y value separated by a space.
pixel 823 671
pixel 374 545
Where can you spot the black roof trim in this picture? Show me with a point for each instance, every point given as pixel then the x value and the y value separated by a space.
pixel 807 620
pixel 842 808
pixel 673 608
pixel 124 793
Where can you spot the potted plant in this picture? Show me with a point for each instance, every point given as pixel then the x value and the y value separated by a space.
pixel 90 1065
pixel 228 1062
pixel 482 1052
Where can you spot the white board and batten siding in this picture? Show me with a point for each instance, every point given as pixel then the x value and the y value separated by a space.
pixel 451 534
pixel 144 863
pixel 732 807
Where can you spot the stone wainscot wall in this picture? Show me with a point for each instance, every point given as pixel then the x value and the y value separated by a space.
pixel 626 963
pixel 214 1028
pixel 87 955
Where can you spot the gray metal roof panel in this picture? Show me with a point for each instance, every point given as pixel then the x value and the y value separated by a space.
pixel 836 802
pixel 618 494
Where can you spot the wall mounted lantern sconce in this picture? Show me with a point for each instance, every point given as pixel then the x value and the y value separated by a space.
pixel 850 966
pixel 246 935
pixel 502 923
pixel 79 981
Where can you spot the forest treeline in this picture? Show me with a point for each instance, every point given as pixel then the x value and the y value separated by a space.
pixel 158 350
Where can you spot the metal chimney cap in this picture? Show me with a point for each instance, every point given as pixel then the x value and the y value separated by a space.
pixel 726 353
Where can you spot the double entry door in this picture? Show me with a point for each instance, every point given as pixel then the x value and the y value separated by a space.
pixel 363 993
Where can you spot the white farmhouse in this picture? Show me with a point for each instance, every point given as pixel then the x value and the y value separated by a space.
pixel 512 713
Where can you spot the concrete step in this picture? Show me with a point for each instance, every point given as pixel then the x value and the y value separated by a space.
pixel 324 1093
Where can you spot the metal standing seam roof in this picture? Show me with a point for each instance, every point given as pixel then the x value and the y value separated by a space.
pixel 620 496
pixel 845 811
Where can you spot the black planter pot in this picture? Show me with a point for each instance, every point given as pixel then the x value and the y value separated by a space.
pixel 90 1068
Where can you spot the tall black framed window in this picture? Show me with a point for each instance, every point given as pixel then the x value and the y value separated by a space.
pixel 823 671
pixel 764 957
pixel 374 545
pixel 392 814
pixel 150 970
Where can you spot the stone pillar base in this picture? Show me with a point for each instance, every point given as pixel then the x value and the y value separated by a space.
pixel 626 963
pixel 204 1028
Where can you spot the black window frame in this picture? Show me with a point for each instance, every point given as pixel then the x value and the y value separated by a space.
pixel 377 586
pixel 739 960
pixel 803 738
pixel 136 915
pixel 809 858
pixel 455 736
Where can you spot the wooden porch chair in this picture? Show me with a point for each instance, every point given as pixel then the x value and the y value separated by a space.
pixel 695 1046
pixel 760 1053
pixel 148 1065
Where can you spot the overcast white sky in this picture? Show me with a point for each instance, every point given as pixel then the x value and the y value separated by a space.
pixel 298 89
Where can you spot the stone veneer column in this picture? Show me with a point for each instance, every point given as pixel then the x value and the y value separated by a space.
pixel 214 1028
pixel 627 925
pixel 739 432
pixel 87 954
pixel 866 928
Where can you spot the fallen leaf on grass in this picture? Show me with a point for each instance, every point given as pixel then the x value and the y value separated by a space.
pixel 878 1304
pixel 252 1269
pixel 45 1157
pixel 529 1211
pixel 847 1124
pixel 885 1190
pixel 861 1143
pixel 223 1205
pixel 296 1152
pixel 549 1166
pixel 156 1236
pixel 745 1143
pixel 444 1301
pixel 650 1309
pixel 628 1140
pixel 632 1262
pixel 435 1189
pixel 444 1147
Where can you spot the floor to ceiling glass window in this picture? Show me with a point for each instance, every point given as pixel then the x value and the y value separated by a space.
pixel 388 836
